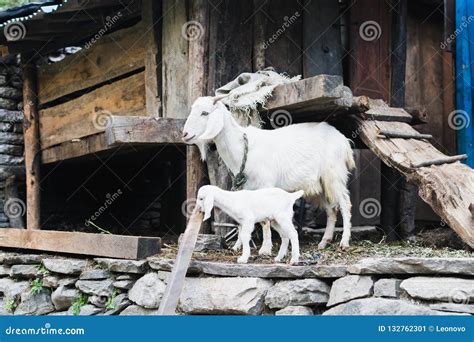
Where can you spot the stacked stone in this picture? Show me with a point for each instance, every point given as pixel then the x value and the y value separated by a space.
pixel 41 284
pixel 11 128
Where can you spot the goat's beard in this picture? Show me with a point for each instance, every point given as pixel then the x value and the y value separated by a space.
pixel 202 145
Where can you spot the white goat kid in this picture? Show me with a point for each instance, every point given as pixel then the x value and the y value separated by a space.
pixel 248 207
pixel 314 157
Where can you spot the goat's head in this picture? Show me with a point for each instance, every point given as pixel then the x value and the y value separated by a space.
pixel 205 121
pixel 205 200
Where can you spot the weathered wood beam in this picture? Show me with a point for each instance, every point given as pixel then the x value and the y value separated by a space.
pixel 152 25
pixel 31 134
pixel 447 188
pixel 198 72
pixel 440 161
pixel 105 245
pixel 403 135
pixel 143 130
pixel 318 94
pixel 74 148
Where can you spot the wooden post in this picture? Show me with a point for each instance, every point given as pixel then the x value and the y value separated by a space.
pixel 259 24
pixel 198 71
pixel 32 142
pixel 403 224
pixel 151 14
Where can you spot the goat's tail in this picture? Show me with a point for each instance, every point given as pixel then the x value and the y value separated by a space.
pixel 349 158
pixel 297 194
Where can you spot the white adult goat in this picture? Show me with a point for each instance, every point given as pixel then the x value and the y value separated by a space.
pixel 314 157
pixel 248 207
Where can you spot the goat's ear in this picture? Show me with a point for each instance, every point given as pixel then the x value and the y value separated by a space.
pixel 214 126
pixel 208 205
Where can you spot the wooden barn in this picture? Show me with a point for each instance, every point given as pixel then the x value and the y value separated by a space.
pixel 107 86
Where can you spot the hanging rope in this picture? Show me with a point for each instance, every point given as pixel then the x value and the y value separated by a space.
pixel 239 179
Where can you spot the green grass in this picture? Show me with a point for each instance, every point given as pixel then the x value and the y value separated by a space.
pixel 78 303
pixel 36 286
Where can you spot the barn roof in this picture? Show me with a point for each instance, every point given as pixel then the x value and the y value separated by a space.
pixel 48 25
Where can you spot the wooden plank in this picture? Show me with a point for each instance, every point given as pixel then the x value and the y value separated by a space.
pixel 143 130
pixel 318 94
pixel 112 55
pixel 369 66
pixel 175 60
pixel 176 279
pixel 104 245
pixel 31 135
pixel 89 114
pixel 152 25
pixel 75 148
pixel 448 188
pixel 370 109
pixel 322 38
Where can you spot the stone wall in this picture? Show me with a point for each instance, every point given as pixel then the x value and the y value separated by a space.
pixel 33 284
pixel 11 136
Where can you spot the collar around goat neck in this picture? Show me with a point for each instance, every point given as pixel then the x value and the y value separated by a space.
pixel 240 178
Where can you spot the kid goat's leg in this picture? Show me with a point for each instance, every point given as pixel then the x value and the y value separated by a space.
pixel 266 248
pixel 245 235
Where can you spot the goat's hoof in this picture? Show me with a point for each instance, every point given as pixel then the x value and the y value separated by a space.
pixel 277 259
pixel 242 260
pixel 344 246
pixel 236 248
pixel 322 245
pixel 265 251
pixel 294 261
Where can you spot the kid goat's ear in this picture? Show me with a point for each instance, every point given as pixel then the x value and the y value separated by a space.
pixel 214 126
pixel 208 205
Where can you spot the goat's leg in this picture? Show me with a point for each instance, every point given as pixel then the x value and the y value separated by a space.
pixel 245 235
pixel 345 206
pixel 238 243
pixel 295 245
pixel 266 248
pixel 330 225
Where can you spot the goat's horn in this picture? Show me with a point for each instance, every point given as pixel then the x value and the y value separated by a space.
pixel 219 97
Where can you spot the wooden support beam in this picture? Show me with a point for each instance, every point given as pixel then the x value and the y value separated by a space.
pixel 143 130
pixel 32 142
pixel 75 148
pixel 104 245
pixel 198 72
pixel 152 25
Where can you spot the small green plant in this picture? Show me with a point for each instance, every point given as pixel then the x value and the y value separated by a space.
pixel 109 305
pixel 10 305
pixel 42 270
pixel 36 286
pixel 78 303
